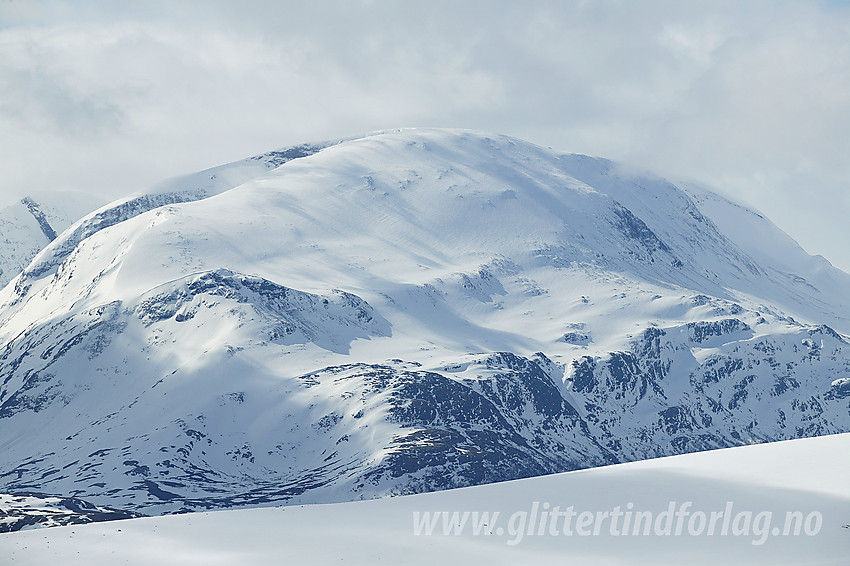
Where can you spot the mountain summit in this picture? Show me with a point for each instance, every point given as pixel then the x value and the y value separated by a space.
pixel 407 311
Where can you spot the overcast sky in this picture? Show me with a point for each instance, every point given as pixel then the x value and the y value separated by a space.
pixel 750 97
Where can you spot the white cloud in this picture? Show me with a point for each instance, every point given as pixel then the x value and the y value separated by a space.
pixel 753 97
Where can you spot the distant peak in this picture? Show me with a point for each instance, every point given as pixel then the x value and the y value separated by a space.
pixel 35 209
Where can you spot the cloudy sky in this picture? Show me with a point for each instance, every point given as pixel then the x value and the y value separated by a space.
pixel 750 97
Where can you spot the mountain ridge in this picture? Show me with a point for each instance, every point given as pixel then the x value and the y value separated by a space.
pixel 34 221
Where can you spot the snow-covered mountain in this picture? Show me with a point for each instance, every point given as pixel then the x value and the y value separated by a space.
pixel 28 225
pixel 407 311
pixel 22 512
pixel 782 503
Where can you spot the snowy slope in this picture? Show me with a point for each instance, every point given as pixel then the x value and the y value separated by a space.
pixel 806 476
pixel 816 288
pixel 32 223
pixel 403 312
pixel 770 246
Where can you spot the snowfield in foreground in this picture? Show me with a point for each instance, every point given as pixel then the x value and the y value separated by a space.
pixel 761 483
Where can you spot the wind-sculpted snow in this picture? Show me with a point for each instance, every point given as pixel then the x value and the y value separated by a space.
pixel 404 312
